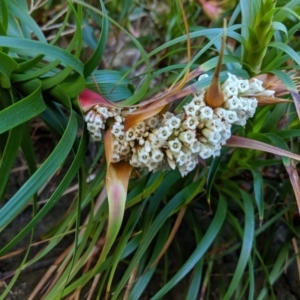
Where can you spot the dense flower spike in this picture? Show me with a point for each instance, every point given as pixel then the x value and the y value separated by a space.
pixel 170 141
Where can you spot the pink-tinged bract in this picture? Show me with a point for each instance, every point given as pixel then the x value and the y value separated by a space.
pixel 88 99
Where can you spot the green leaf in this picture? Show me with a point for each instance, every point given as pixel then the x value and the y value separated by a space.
pixel 177 201
pixel 7 66
pixel 31 47
pixel 94 60
pixel 200 250
pixel 8 157
pixel 23 110
pixel 287 49
pixel 277 269
pixel 28 23
pixel 19 201
pixel 248 237
pixel 213 170
pixel 3 16
pixel 196 281
pixel 64 183
pixel 111 84
pixel 73 85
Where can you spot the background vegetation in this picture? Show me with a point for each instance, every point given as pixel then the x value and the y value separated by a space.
pixel 228 230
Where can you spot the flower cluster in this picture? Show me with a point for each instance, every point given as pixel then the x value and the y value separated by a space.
pixel 169 140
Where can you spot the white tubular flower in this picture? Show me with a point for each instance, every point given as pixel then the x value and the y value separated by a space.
pixel 230 90
pixel 124 150
pixel 118 119
pixel 252 103
pixel 116 146
pixel 267 93
pixel 121 137
pixel 176 132
pixel 130 134
pixel 141 141
pixel 225 135
pixel 173 122
pixel 195 147
pixel 140 127
pixel 216 153
pixel 143 156
pixel 190 123
pixel 169 154
pixel 88 115
pixel 242 118
pixel 205 152
pixel 191 166
pixel 231 116
pixel 187 136
pixel 183 171
pixel 175 146
pixel 164 133
pixel 188 152
pixel 202 76
pixel 227 126
pixel 255 87
pixel 198 101
pixel 152 137
pixel 190 109
pixel 158 143
pixel 171 163
pixel 212 136
pixel 166 116
pixel 117 130
pixel 202 140
pixel 250 113
pixel 220 112
pixel 182 158
pixel 103 111
pixel 152 165
pixel 214 125
pixel 115 157
pixel 200 126
pixel 91 127
pixel 157 155
pixel 134 161
pixel 147 146
pixel 98 121
pixel 243 85
pixel 231 78
pixel 96 136
pixel 155 143
pixel 206 113
pixel 244 104
pixel 111 113
pixel 223 141
pixel 215 138
pixel 152 122
pixel 232 103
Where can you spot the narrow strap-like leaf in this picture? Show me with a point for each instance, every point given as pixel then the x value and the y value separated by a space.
pixel 200 250
pixel 22 111
pixel 95 59
pixel 17 203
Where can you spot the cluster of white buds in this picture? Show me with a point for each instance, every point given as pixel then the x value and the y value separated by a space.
pixel 96 119
pixel 169 140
